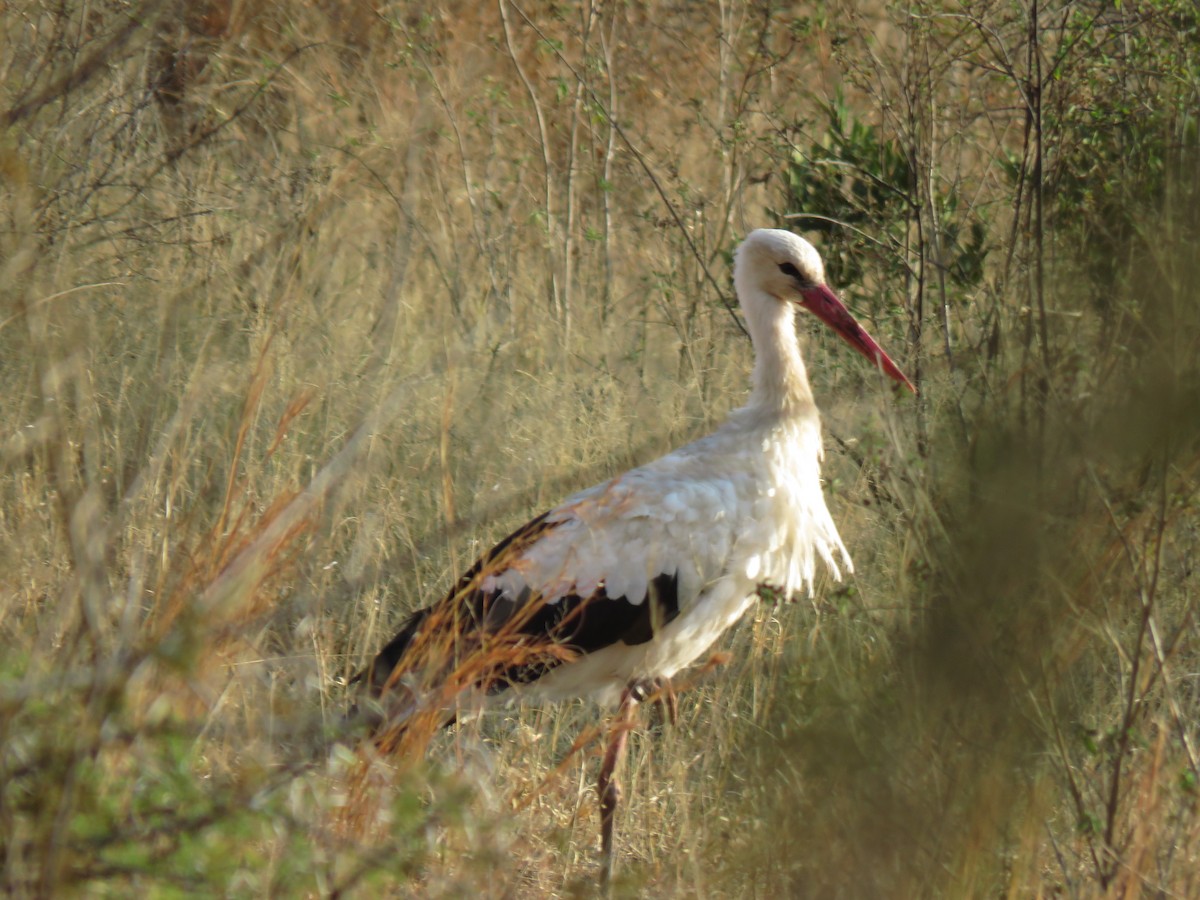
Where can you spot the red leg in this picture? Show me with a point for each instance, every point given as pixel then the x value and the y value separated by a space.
pixel 666 700
pixel 607 786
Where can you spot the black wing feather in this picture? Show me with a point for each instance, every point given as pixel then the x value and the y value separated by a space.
pixel 547 634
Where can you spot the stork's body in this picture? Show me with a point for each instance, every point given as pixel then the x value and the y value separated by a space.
pixel 684 542
pixel 630 581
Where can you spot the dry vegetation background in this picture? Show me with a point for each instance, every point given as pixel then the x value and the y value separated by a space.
pixel 303 304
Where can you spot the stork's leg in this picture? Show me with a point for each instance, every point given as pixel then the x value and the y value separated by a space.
pixel 666 700
pixel 607 786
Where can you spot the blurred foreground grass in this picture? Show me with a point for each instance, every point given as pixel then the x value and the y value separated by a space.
pixel 300 307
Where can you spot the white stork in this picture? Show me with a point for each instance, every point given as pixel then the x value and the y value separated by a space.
pixel 619 587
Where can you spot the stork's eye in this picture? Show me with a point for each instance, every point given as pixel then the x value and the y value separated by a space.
pixel 790 270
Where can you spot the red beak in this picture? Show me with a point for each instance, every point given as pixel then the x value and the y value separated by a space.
pixel 824 304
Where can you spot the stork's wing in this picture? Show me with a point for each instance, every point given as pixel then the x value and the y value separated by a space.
pixel 612 564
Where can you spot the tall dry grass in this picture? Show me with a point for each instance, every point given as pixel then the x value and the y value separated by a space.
pixel 302 306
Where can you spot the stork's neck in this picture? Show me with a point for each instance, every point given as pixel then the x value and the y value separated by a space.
pixel 780 381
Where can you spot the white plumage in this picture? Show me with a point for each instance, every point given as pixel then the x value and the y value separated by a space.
pixel 628 582
pixel 721 516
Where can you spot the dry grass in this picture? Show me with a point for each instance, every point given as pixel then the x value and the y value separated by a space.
pixel 301 308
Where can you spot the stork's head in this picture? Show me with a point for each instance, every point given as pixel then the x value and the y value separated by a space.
pixel 777 264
